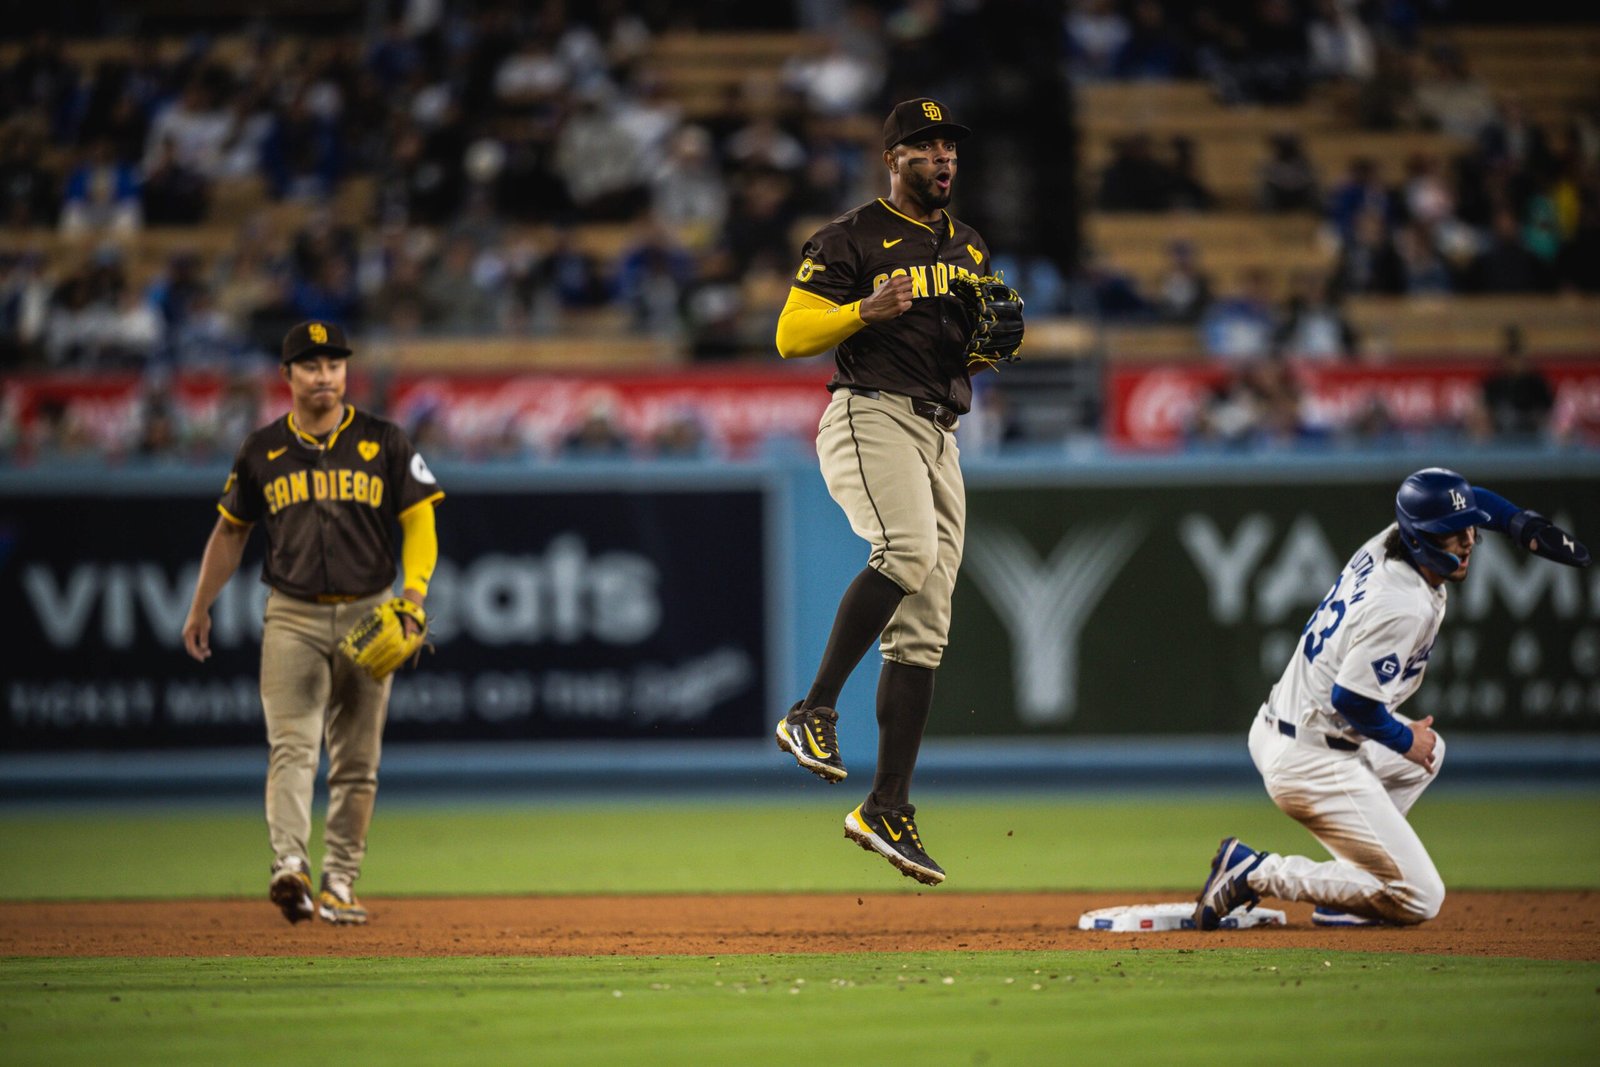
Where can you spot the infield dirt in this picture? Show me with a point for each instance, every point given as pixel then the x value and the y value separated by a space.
pixel 1543 925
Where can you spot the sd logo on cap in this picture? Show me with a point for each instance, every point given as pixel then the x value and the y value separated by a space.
pixel 921 117
pixel 314 339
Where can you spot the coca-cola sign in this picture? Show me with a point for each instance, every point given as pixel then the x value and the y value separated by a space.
pixel 1153 407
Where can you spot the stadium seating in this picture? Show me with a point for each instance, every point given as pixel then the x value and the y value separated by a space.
pixel 711 74
pixel 1551 70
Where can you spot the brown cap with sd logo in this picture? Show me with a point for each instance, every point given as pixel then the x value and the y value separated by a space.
pixel 314 339
pixel 923 116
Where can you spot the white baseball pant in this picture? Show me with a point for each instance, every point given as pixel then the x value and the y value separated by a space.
pixel 1355 803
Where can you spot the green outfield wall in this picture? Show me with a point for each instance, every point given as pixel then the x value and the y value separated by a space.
pixel 1100 595
pixel 1173 607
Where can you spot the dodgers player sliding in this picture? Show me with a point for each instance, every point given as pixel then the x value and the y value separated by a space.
pixel 1331 750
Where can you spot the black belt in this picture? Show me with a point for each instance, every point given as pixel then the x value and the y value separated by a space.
pixel 1333 741
pixel 941 416
pixel 326 598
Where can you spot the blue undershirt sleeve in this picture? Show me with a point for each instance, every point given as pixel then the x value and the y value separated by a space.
pixel 1372 719
pixel 1500 510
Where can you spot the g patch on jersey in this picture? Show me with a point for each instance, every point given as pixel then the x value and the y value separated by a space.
pixel 1387 669
pixel 420 471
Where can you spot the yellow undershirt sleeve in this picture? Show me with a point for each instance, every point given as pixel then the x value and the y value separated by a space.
pixel 810 324
pixel 419 547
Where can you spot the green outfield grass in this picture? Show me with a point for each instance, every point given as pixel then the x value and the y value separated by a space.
pixel 1226 1005
pixel 1233 1007
pixel 1026 841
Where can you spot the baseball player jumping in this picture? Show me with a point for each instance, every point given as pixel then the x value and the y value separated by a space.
pixel 1329 746
pixel 879 285
pixel 328 483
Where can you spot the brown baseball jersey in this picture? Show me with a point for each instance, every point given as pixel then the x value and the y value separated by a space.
pixel 329 507
pixel 922 353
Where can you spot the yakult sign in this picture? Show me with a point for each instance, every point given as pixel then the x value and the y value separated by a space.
pixel 1171 608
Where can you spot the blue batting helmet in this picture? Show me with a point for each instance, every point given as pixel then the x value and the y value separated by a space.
pixel 1435 501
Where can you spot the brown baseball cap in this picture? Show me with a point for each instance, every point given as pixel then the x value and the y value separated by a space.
pixel 924 115
pixel 314 338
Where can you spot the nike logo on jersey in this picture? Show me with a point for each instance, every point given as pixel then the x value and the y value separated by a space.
pixel 274 453
pixel 892 835
pixel 891 244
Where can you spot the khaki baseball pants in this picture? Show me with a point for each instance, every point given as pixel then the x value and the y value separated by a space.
pixel 898 478
pixel 311 693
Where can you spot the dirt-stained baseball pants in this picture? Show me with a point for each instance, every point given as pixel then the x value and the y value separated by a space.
pixel 898 478
pixel 1356 804
pixel 310 692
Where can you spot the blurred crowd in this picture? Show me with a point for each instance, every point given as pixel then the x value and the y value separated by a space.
pixel 485 142
pixel 159 428
pixel 1516 211
pixel 522 170
pixel 1264 404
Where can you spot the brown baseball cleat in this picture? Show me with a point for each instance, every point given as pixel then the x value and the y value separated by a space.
pixel 290 888
pixel 811 736
pixel 892 834
pixel 337 902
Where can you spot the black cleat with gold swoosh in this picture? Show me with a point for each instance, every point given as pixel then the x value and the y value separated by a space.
pixel 811 736
pixel 892 834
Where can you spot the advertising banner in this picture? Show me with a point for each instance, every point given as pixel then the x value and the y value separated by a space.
pixel 734 409
pixel 584 613
pixel 1146 610
pixel 1156 406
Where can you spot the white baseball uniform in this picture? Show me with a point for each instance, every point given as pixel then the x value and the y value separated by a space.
pixel 1372 635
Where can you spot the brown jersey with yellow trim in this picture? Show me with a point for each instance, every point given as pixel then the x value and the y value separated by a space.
pixel 922 353
pixel 329 507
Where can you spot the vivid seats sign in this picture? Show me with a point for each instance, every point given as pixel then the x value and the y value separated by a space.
pixel 555 613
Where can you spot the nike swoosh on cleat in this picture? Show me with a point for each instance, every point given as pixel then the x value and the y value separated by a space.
pixel 892 835
pixel 890 244
pixel 821 752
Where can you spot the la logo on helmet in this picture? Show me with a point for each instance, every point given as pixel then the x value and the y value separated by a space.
pixel 1458 500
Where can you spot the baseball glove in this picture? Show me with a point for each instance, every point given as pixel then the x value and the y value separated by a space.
pixel 994 310
pixel 378 644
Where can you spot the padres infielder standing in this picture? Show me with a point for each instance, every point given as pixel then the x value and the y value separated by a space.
pixel 1328 745
pixel 328 482
pixel 875 282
